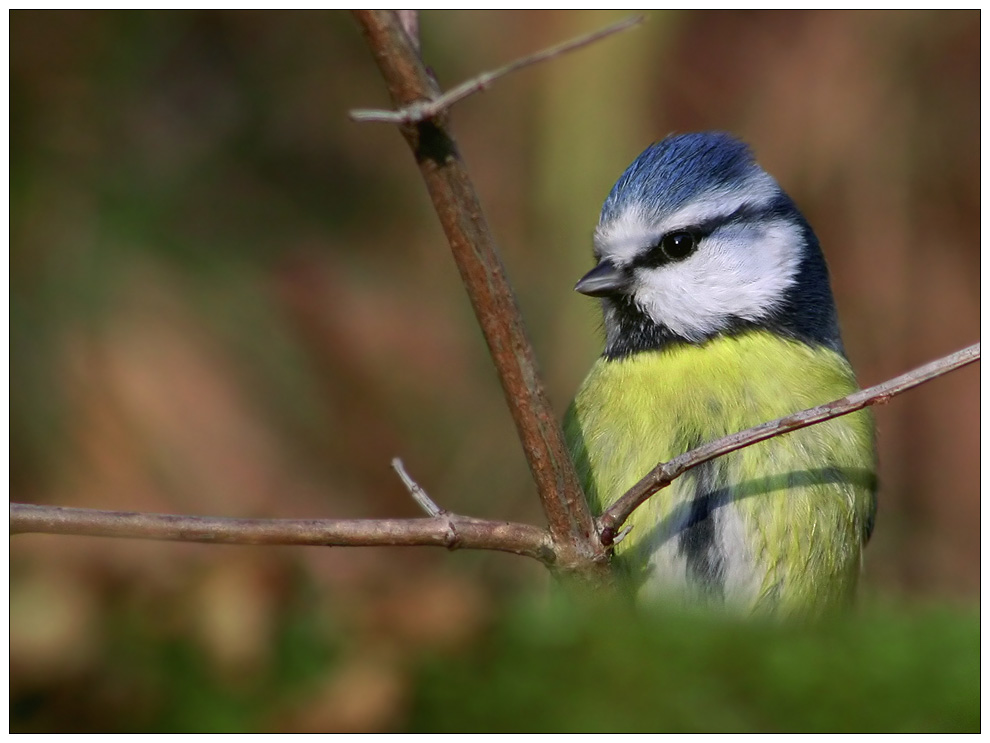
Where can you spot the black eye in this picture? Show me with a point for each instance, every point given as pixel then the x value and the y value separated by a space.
pixel 678 245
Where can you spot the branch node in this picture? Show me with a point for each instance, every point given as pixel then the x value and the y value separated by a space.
pixel 452 540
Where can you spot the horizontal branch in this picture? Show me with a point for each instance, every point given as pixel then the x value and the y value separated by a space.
pixel 448 530
pixel 666 472
pixel 422 110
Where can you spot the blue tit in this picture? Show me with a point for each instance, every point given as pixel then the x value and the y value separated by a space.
pixel 718 316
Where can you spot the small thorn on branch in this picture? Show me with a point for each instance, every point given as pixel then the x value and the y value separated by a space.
pixel 607 532
pixel 621 535
pixel 419 495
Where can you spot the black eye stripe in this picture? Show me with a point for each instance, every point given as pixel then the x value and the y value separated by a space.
pixel 745 213
pixel 656 256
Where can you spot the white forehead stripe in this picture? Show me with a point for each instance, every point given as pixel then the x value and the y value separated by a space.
pixel 755 192
pixel 625 237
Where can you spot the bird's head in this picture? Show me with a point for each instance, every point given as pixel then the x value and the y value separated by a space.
pixel 697 240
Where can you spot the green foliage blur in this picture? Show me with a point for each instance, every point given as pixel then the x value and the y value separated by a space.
pixel 601 670
pixel 228 299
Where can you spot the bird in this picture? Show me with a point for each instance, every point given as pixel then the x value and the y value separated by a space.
pixel 718 315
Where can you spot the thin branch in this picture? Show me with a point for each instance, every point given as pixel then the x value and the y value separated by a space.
pixel 451 531
pixel 422 110
pixel 458 207
pixel 419 495
pixel 666 472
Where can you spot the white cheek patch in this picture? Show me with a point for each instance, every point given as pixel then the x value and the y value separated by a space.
pixel 741 270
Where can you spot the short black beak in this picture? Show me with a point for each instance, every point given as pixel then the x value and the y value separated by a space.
pixel 604 280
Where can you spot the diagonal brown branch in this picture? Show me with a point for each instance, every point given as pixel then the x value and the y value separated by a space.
pixel 666 472
pixel 450 531
pixel 483 274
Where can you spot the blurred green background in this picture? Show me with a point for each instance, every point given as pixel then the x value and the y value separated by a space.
pixel 229 299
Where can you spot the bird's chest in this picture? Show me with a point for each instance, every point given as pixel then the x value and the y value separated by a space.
pixel 736 526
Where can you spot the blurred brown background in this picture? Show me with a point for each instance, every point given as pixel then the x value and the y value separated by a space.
pixel 228 299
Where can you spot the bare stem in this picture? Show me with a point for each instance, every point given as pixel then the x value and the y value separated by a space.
pixel 666 472
pixel 450 531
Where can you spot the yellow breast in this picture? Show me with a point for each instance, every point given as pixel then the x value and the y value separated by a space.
pixel 779 525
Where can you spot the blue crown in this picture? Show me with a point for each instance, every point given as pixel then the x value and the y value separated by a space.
pixel 673 171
